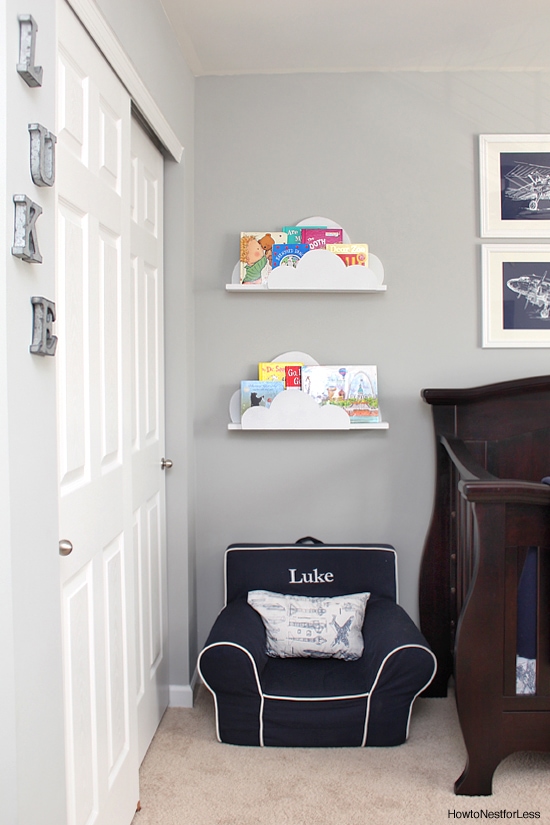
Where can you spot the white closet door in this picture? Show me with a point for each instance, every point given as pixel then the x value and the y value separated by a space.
pixel 148 435
pixel 94 358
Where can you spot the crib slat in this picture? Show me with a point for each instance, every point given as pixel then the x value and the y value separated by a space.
pixel 543 623
pixel 512 573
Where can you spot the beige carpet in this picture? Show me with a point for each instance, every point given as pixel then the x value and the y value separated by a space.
pixel 189 777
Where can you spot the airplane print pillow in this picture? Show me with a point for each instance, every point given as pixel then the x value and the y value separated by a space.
pixel 311 626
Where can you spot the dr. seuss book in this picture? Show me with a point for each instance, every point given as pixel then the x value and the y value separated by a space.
pixel 256 254
pixel 293 376
pixel 354 388
pixel 259 393
pixel 285 254
pixel 277 371
pixel 319 238
pixel 352 254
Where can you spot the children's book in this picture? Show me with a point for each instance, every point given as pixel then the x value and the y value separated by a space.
pixel 352 254
pixel 276 371
pixel 354 388
pixel 294 233
pixel 288 254
pixel 319 238
pixel 293 376
pixel 256 256
pixel 259 393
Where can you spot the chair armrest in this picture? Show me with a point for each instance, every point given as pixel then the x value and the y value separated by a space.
pixel 388 629
pixel 234 655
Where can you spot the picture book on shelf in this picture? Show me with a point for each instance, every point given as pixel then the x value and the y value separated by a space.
pixel 256 256
pixel 293 376
pixel 352 387
pixel 285 254
pixel 319 238
pixel 352 254
pixel 278 370
pixel 294 233
pixel 259 393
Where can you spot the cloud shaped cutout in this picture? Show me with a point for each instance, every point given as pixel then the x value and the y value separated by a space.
pixel 295 410
pixel 321 269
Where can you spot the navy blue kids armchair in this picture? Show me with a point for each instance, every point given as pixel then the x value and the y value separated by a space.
pixel 314 699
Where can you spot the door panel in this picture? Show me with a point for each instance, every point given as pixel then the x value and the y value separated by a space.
pixel 71 289
pixel 80 698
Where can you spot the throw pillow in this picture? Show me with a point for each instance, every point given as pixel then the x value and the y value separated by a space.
pixel 312 626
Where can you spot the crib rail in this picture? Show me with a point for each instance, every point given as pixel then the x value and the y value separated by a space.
pixel 479 498
pixel 492 524
pixel 490 513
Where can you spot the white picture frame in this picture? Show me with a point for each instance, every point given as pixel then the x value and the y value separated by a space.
pixel 514 316
pixel 514 188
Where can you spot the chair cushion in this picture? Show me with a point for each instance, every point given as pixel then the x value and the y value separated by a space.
pixel 310 626
pixel 325 679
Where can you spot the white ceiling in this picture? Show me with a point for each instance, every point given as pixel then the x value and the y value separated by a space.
pixel 254 36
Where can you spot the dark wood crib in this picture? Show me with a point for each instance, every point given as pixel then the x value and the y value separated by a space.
pixel 493 449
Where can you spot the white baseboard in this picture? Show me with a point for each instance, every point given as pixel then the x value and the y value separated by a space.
pixel 181 696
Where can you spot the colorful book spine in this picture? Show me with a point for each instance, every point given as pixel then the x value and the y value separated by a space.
pixel 352 254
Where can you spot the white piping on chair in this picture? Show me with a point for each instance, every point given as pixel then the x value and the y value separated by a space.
pixel 263 696
pixel 317 698
pixel 430 680
pixel 256 676
pixel 380 669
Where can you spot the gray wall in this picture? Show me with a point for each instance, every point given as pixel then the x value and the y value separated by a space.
pixel 392 157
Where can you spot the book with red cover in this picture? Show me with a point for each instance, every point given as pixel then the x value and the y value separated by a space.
pixel 319 238
pixel 293 376
pixel 276 370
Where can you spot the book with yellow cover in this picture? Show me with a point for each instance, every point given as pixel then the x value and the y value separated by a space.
pixel 274 370
pixel 352 254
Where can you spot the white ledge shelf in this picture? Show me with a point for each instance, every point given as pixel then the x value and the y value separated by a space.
pixel 318 271
pixel 293 409
pixel 265 289
pixel 382 425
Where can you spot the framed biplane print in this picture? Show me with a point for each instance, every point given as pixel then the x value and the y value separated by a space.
pixel 515 295
pixel 515 186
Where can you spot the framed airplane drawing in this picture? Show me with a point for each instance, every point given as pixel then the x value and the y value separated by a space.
pixel 516 295
pixel 515 186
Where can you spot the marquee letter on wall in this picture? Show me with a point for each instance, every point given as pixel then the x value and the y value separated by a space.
pixel 25 242
pixel 31 74
pixel 43 342
pixel 42 155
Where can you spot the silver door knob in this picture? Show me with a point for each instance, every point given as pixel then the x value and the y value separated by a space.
pixel 65 547
pixel 165 463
